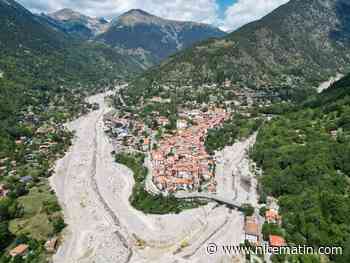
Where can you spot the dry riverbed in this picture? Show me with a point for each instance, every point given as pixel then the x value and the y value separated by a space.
pixel 104 228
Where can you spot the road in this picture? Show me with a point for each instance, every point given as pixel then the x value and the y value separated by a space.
pixel 102 227
pixel 214 197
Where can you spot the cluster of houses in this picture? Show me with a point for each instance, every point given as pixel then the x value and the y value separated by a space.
pixel 180 161
pixel 253 229
pixel 127 132
pixel 35 148
pixel 22 250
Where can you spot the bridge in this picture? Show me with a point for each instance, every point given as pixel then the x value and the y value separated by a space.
pixel 230 203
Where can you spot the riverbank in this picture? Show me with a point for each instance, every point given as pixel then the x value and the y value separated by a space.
pixel 94 192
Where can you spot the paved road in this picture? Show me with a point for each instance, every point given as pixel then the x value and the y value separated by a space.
pixel 222 200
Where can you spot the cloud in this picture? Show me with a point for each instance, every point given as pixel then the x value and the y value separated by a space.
pixel 192 10
pixel 245 11
pixel 207 11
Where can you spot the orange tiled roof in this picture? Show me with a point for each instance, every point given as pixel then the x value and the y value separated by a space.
pixel 19 250
pixel 277 241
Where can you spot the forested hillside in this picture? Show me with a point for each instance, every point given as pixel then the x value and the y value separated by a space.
pixel 305 156
pixel 37 63
pixel 298 45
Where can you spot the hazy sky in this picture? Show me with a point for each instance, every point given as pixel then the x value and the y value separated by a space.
pixel 228 14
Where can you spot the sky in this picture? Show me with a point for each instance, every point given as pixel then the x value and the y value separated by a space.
pixel 226 14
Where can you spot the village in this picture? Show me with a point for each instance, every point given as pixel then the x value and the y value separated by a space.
pixel 181 162
pixel 25 167
pixel 263 228
pixel 178 159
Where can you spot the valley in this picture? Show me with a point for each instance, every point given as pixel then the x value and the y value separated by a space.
pixel 103 226
pixel 138 138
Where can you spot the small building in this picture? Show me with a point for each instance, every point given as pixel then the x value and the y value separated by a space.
pixel 181 124
pixel 20 250
pixel 251 229
pixel 18 142
pixel 163 121
pixel 272 217
pixel 276 241
pixel 51 245
pixel 156 99
pixel 146 144
pixel 227 83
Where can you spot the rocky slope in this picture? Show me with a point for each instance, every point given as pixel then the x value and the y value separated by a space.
pixel 299 44
pixel 153 38
pixel 76 24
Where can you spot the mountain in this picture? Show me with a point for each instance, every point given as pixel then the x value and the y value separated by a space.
pixel 37 63
pixel 300 44
pixel 37 49
pixel 76 24
pixel 152 38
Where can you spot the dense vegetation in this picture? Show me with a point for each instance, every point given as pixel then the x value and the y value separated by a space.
pixel 305 156
pixel 237 127
pixel 30 218
pixel 39 66
pixel 144 201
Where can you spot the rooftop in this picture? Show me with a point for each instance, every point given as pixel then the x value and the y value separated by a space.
pixel 19 250
pixel 277 241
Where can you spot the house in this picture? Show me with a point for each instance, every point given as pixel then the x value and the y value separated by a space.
pixel 18 142
pixel 163 121
pixel 251 229
pixel 276 241
pixel 20 250
pixel 156 99
pixel 51 245
pixel 146 143
pixel 227 83
pixel 181 124
pixel 272 217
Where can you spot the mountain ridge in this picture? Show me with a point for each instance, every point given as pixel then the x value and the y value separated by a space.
pixel 75 23
pixel 147 38
pixel 301 43
pixel 148 17
pixel 154 38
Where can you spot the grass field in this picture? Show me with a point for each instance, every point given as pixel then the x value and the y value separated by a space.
pixel 36 214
